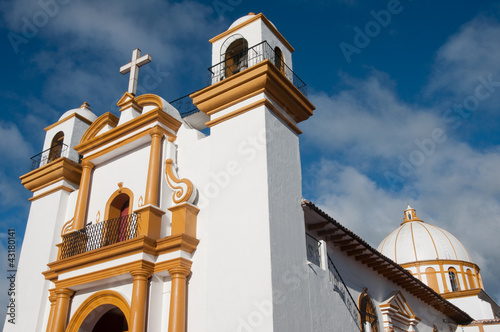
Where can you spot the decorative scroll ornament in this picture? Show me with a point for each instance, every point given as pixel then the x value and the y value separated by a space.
pixel 67 227
pixel 184 190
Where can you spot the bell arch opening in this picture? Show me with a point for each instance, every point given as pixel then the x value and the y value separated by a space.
pixel 56 146
pixel 236 57
pixel 279 60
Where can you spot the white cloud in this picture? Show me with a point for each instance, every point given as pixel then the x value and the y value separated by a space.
pixel 468 55
pixel 13 145
pixel 365 130
pixel 369 119
pixel 102 35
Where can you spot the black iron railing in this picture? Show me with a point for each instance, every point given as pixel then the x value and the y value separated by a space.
pixel 339 286
pixel 184 105
pixel 236 64
pixel 250 57
pixel 101 234
pixel 48 155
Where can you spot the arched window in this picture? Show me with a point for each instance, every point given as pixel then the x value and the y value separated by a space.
pixel 470 277
pixel 432 280
pixel 279 61
pixel 453 279
pixel 368 315
pixel 236 57
pixel 56 146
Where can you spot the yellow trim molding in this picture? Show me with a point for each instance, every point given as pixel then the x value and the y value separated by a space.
pixel 462 293
pixel 121 190
pixel 57 170
pixel 134 125
pixel 247 22
pixel 93 302
pixel 107 119
pixel 51 191
pixel 141 244
pixel 127 101
pixel 262 77
pixel 74 115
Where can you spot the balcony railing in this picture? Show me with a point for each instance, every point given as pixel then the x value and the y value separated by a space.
pixel 101 234
pixel 48 155
pixel 254 55
pixel 339 286
pixel 234 65
pixel 184 105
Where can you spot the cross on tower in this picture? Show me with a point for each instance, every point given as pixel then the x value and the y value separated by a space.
pixel 133 67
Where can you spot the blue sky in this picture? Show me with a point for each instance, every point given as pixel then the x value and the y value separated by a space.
pixel 407 96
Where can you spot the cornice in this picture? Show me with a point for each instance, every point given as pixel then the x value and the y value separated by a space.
pixel 57 170
pixel 262 77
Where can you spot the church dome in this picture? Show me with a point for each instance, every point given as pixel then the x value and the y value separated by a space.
pixel 83 111
pixel 416 241
pixel 241 20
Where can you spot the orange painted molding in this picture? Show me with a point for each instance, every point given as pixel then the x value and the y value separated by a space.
pixel 58 170
pixel 264 77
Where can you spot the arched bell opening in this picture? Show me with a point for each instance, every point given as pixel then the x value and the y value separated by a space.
pixel 56 146
pixel 236 57
pixel 279 60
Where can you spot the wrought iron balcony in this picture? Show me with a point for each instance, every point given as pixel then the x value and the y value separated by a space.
pixel 101 234
pixel 251 57
pixel 45 157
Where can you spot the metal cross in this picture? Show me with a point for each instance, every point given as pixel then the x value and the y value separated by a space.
pixel 133 67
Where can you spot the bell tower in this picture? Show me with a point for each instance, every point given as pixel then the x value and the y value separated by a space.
pixel 256 231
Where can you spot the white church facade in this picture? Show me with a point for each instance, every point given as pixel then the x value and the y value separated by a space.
pixel 144 222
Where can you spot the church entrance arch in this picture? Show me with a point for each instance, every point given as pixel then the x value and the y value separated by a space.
pixel 104 311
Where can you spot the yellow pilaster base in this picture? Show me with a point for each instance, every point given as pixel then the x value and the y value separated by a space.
pixel 184 218
pixel 150 221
